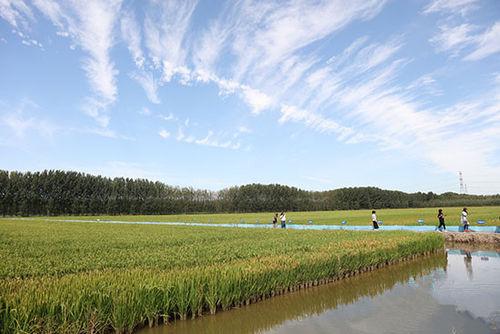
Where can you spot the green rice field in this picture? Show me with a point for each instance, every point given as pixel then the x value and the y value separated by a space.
pixel 58 277
pixel 491 214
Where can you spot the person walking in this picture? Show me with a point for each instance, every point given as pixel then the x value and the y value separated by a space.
pixel 283 219
pixel 464 221
pixel 441 220
pixel 275 220
pixel 374 220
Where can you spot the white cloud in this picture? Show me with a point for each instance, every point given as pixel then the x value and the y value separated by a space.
pixel 257 101
pixel 27 40
pixel 169 117
pixel 131 33
pixel 457 38
pixel 90 25
pixel 95 35
pixel 209 140
pixel 22 120
pixel 165 27
pixel 244 129
pixel 25 119
pixel 16 13
pixel 208 48
pixel 270 33
pixel 149 84
pixel 488 43
pixel 314 121
pixel 94 108
pixel 21 125
pixel 425 84
pixel 453 38
pixel 53 11
pixel 164 134
pixel 450 6
pixel 271 55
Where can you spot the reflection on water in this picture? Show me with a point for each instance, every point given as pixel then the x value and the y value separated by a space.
pixel 468 264
pixel 454 293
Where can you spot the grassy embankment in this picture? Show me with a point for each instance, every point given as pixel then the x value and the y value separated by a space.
pixel 90 277
pixel 353 217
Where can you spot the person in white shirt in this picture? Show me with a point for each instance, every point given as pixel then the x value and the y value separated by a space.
pixel 374 220
pixel 463 219
pixel 283 219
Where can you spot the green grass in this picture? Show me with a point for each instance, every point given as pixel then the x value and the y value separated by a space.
pixel 354 217
pixel 89 277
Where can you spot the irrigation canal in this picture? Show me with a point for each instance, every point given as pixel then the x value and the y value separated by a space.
pixel 416 228
pixel 453 292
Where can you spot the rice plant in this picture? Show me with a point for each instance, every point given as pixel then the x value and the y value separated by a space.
pixel 85 277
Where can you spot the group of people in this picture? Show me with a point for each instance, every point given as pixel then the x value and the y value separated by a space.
pixel 463 220
pixel 282 218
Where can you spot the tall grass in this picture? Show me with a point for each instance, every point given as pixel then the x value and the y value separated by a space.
pixel 123 277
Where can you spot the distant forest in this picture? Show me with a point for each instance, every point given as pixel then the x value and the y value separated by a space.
pixel 54 192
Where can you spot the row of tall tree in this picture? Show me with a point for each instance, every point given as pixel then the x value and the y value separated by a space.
pixel 55 192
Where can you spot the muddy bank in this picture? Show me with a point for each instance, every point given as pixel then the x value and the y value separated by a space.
pixel 472 238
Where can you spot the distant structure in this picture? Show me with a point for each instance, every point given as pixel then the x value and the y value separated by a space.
pixel 463 186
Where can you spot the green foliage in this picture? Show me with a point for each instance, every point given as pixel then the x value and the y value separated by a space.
pixel 84 277
pixel 56 192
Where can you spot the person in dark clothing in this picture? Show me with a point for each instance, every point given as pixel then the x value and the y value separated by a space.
pixel 374 220
pixel 441 220
pixel 275 220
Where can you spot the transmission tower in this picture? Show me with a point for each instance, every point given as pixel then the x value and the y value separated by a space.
pixel 462 186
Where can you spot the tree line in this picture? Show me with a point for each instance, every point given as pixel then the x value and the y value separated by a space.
pixel 56 192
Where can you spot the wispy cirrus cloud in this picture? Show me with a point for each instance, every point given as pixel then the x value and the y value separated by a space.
pixel 149 83
pixel 453 39
pixel 164 134
pixel 94 32
pixel 165 29
pixel 456 39
pixel 210 139
pixel 16 12
pixel 131 34
pixel 487 43
pixel 451 6
pixel 313 120
pixel 22 120
pixel 90 25
pixel 26 119
pixel 285 59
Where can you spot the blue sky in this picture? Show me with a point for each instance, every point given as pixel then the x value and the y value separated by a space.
pixel 315 94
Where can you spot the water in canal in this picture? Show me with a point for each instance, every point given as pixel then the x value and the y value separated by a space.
pixel 453 292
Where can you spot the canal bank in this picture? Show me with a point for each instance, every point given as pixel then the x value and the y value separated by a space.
pixel 472 238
